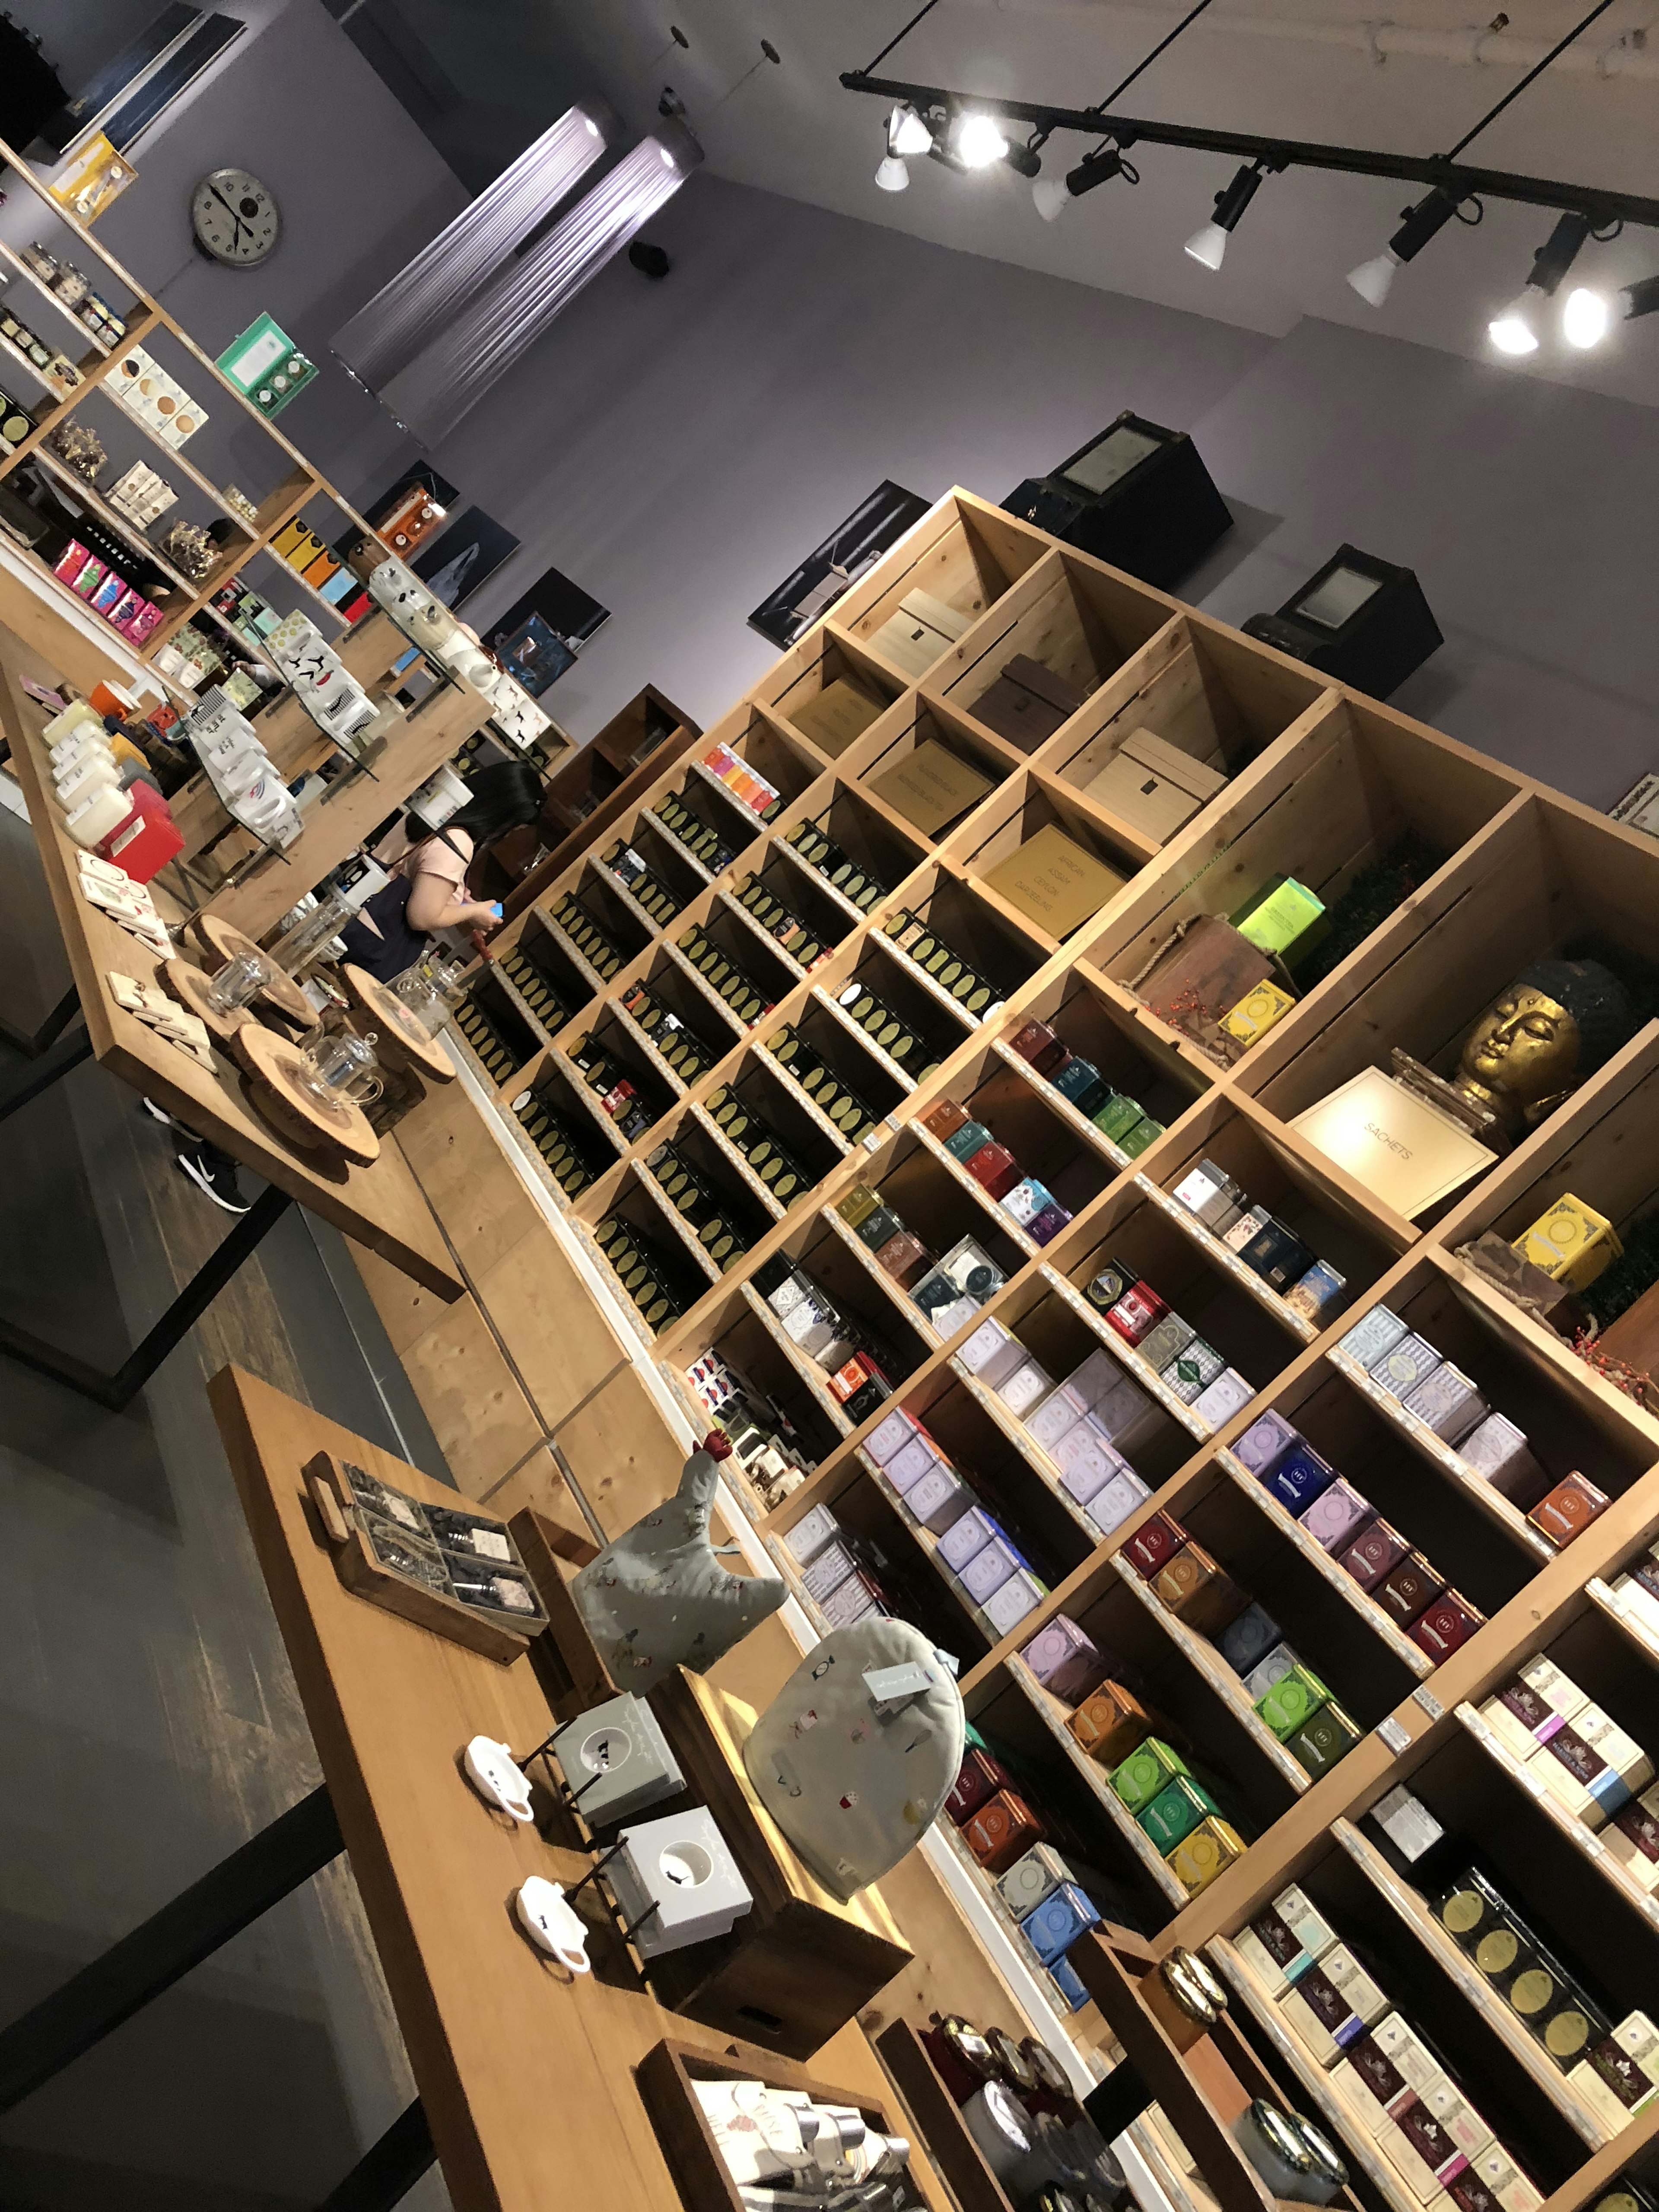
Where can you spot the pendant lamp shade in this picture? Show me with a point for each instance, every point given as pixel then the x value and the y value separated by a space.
pixel 410 311
pixel 478 346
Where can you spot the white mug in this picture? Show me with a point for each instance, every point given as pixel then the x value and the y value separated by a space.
pixel 552 1924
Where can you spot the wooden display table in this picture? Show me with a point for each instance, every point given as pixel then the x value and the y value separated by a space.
pixel 379 1204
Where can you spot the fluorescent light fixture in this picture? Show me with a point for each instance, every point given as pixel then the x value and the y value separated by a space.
pixel 424 298
pixel 1209 244
pixel 977 139
pixel 906 134
pixel 892 176
pixel 1054 195
pixel 1585 318
pixel 445 381
pixel 1418 225
pixel 1515 331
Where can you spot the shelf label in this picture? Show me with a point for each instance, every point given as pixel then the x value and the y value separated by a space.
pixel 1431 1704
pixel 1393 1733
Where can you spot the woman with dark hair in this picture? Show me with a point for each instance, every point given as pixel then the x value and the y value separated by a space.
pixel 428 890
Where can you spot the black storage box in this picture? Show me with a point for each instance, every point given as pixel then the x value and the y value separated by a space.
pixel 1137 495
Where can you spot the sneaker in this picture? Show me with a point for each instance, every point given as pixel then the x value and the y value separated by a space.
pixel 214 1174
pixel 160 1113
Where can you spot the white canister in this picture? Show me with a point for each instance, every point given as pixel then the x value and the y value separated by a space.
pixel 84 737
pixel 77 712
pixel 99 816
pixel 1001 2127
pixel 97 772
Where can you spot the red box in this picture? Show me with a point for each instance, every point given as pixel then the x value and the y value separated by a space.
pixel 1376 1552
pixel 945 1119
pixel 1448 1621
pixel 1568 1510
pixel 1153 1543
pixel 981 1778
pixel 1003 1830
pixel 1408 1588
pixel 1137 1312
pixel 848 1381
pixel 1037 1043
pixel 994 1168
pixel 147 840
pixel 904 1257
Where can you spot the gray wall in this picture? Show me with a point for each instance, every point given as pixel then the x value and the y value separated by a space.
pixel 676 447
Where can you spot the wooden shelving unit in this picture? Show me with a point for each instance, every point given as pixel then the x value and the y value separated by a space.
pixel 1320 781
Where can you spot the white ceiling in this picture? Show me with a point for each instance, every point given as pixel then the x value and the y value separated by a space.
pixel 1294 66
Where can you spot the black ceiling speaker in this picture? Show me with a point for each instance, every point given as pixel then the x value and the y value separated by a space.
pixel 650 260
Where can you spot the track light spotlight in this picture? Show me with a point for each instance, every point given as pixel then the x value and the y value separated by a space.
pixel 891 174
pixel 906 134
pixel 1641 298
pixel 1515 331
pixel 1209 244
pixel 1585 318
pixel 976 139
pixel 1054 195
pixel 1418 224
pixel 1024 160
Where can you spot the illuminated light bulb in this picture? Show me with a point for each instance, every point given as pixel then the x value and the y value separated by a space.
pixel 978 140
pixel 1585 318
pixel 1208 245
pixel 1373 278
pixel 1512 332
pixel 907 133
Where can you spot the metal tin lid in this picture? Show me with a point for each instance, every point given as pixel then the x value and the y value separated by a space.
pixel 1194 1986
pixel 1017 2068
pixel 1328 2161
pixel 1046 2068
pixel 1280 2135
pixel 970 2045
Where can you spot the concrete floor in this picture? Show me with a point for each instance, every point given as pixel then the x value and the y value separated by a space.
pixel 148 1721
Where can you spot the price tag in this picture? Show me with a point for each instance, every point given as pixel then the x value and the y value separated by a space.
pixel 1393 1733
pixel 1431 1704
pixel 875 1139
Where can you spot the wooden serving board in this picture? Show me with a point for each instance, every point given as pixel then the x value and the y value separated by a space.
pixel 336 1125
pixel 220 943
pixel 399 1034
pixel 192 989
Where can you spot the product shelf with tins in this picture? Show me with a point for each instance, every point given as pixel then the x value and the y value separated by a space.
pixel 553 979
pixel 965 557
pixel 1570 1430
pixel 609 1053
pixel 828 690
pixel 552 1130
pixel 765 1117
pixel 1007 849
pixel 953 932
pixel 882 995
pixel 676 878
pixel 503 1038
pixel 789 763
pixel 658 1276
pixel 783 897
pixel 914 1179
pixel 689 1028
pixel 1079 630
pixel 851 845
pixel 740 964
pixel 13 263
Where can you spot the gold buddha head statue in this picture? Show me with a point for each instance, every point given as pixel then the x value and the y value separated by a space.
pixel 1536 1043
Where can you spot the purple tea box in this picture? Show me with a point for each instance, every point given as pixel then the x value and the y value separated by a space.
pixel 965 1537
pixel 1063 1659
pixel 1061 1410
pixel 939 1499
pixel 1337 1516
pixel 1371 1336
pixel 1404 1365
pixel 907 1467
pixel 1089 1468
pixel 1024 1387
pixel 1498 1451
pixel 1112 1504
pixel 1097 1376
pixel 891 1435
pixel 810 1534
pixel 1010 1603
pixel 1224 1397
pixel 992 1354
pixel 1298 1477
pixel 1264 1443
pixel 989 1568
pixel 1047 1224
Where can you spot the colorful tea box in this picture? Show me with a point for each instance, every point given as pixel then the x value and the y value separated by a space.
pixel 1212 1848
pixel 1409 1585
pixel 1336 1516
pixel 1163 1341
pixel 1299 1476
pixel 1420 2151
pixel 1318 1293
pixel 1026 1200
pixel 1498 1451
pixel 1175 1811
pixel 1244 1642
pixel 1143 1133
pixel 1591 1767
pixel 966 1535
pixel 1068 1984
pixel 1248 1227
pixel 1012 1601
pixel 1373 1554
pixel 945 1118
pixel 1030 1879
pixel 1137 1313
pixel 1037 1044
pixel 1368 2080
pixel 1444 1624
pixel 1532 1705
pixel 1449 1403
pixel 1110 1723
pixel 1282 1942
pixel 994 1169
pixel 989 1568
pixel 1057 1922
pixel 1277 1255
pixel 1572 1242
pixel 1329 1736
pixel 1264 1443
pixel 1191 1372
pixel 1631 1836
pixel 1064 1659
pixel 1568 1510
pixel 1001 1830
pixel 1118 1118
pixel 1227 1394
pixel 1404 1366
pixel 1292 1701
pixel 982 1777
pixel 1153 1544
pixel 1331 2005
pixel 965 1139
pixel 1198 1590
pixel 1151 1767
pixel 1272 1667
pixel 1202 1187
pixel 1081 1084
pixel 1374 1335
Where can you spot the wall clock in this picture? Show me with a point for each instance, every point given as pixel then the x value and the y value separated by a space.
pixel 234 219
